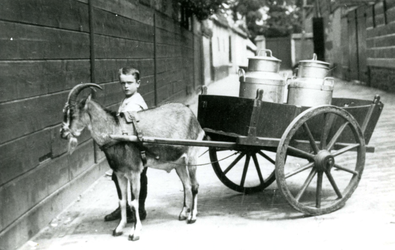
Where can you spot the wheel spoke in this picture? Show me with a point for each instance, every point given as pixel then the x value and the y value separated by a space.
pixel 203 153
pixel 336 136
pixel 300 153
pixel 333 183
pixel 266 157
pixel 311 138
pixel 307 166
pixel 329 119
pixel 234 163
pixel 319 190
pixel 243 177
pixel 346 169
pixel 258 169
pixel 345 149
pixel 306 184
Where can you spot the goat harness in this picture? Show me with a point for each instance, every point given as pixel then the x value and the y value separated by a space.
pixel 125 119
pixel 132 117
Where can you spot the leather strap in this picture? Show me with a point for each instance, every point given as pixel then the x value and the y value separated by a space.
pixel 132 117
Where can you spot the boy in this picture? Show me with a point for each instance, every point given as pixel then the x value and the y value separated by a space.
pixel 130 82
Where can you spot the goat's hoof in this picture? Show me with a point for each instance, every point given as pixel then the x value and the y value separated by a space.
pixel 191 221
pixel 115 233
pixel 181 218
pixel 133 238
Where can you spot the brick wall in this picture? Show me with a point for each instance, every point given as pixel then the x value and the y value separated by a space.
pixel 47 47
pixel 359 41
pixel 380 20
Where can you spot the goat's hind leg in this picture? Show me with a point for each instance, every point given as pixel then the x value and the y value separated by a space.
pixel 195 190
pixel 122 181
pixel 183 174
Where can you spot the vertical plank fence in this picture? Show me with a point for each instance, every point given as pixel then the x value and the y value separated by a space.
pixel 46 48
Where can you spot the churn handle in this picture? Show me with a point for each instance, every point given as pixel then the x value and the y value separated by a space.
pixel 203 90
pixel 296 71
pixel 289 79
pixel 242 75
pixel 259 94
pixel 266 50
pixel 325 79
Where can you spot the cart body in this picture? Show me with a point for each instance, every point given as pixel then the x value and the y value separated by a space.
pixel 227 118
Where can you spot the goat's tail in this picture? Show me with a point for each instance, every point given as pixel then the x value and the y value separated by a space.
pixel 205 137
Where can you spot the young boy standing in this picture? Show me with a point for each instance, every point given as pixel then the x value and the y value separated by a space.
pixel 129 79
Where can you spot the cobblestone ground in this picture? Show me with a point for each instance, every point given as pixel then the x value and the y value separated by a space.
pixel 230 220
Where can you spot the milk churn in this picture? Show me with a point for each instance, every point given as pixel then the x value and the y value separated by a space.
pixel 312 86
pixel 263 73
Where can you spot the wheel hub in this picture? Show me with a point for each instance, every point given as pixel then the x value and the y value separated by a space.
pixel 324 160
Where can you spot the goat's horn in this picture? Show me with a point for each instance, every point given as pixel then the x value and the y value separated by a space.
pixel 78 88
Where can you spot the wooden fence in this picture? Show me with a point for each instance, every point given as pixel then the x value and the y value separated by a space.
pixel 47 47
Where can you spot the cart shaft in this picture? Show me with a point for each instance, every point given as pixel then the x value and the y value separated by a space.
pixel 242 141
pixel 182 142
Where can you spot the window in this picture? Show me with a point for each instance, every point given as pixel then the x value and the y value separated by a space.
pixel 230 48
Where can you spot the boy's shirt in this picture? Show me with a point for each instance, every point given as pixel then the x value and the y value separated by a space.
pixel 133 103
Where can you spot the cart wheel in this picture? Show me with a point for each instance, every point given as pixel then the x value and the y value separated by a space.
pixel 241 170
pixel 321 141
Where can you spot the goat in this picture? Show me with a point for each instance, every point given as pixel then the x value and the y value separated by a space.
pixel 167 121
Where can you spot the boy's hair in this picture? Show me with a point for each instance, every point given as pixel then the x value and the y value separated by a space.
pixel 129 71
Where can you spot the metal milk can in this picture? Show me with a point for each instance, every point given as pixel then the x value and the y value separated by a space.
pixel 263 73
pixel 311 87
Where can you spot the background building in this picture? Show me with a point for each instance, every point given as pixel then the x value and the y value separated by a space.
pixel 226 48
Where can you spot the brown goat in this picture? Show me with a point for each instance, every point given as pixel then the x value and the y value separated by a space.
pixel 175 121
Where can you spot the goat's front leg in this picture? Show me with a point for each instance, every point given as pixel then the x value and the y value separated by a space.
pixel 123 184
pixel 134 180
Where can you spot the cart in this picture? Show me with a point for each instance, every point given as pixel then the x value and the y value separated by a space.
pixel 316 154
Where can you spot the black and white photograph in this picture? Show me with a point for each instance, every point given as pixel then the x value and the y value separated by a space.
pixel 197 124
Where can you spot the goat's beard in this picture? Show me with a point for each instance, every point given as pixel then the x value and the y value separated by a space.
pixel 73 142
pixel 65 131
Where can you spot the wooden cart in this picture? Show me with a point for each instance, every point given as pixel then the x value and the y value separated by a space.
pixel 316 154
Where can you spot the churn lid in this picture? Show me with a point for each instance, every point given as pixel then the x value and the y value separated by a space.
pixel 267 55
pixel 314 61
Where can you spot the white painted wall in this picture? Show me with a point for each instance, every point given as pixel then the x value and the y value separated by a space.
pixel 220 45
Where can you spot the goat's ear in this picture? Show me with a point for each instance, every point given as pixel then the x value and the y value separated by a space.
pixel 88 99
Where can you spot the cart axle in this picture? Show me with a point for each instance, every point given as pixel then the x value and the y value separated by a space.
pixel 324 161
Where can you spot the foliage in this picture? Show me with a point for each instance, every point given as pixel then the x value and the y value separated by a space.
pixel 250 11
pixel 283 20
pixel 271 18
pixel 202 9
